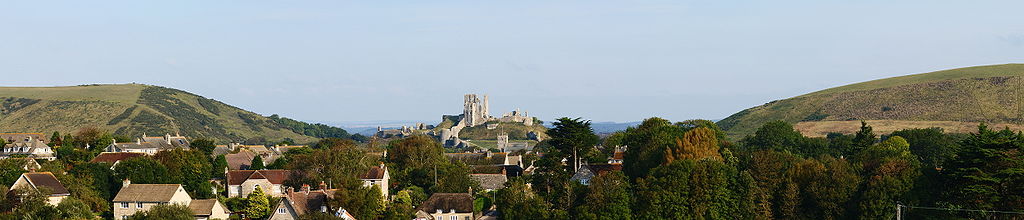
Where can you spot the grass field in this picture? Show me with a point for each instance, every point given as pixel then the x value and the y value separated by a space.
pixel 822 128
pixel 120 93
pixel 974 94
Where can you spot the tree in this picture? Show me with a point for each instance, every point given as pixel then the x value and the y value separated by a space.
pixel 517 201
pixel 987 173
pixel 220 163
pixel 165 212
pixel 931 145
pixel 647 145
pixel 339 165
pixel 573 137
pixel 609 198
pixel 10 170
pixel 54 139
pixel 775 135
pixel 204 145
pixel 863 139
pixel 256 204
pixel 72 208
pixel 257 163
pixel 143 170
pixel 454 178
pixel 362 202
pixel 191 168
pixel 401 208
pixel 696 144
pixel 891 170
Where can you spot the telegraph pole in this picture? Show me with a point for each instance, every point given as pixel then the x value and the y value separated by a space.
pixel 899 211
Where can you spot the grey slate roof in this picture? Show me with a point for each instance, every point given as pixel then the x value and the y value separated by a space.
pixel 490 181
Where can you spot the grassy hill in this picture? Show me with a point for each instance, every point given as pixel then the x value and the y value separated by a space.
pixel 956 100
pixel 134 109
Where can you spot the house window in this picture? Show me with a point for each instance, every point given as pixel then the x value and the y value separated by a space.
pixel 281 210
pixel 124 205
pixel 124 217
pixel 455 217
pixel 138 205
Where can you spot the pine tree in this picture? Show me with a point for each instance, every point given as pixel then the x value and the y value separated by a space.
pixel 257 163
pixel 256 204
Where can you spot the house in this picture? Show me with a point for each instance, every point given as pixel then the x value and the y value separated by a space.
pixel 379 176
pixel 490 182
pixel 204 209
pixel 36 180
pixel 29 147
pixel 447 206
pixel 141 197
pixel 241 160
pixel 23 137
pixel 618 156
pixel 113 158
pixel 243 182
pixel 588 172
pixel 150 145
pixel 298 203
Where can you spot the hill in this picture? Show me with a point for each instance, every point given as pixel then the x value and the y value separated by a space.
pixel 135 109
pixel 956 100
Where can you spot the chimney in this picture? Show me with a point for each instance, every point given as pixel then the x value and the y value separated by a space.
pixel 126 183
pixel 167 138
pixel 470 190
pixel 138 141
pixel 323 185
pixel 305 189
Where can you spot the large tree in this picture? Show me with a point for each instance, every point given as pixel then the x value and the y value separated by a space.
pixel 143 170
pixel 190 167
pixel 609 198
pixel 988 173
pixel 574 138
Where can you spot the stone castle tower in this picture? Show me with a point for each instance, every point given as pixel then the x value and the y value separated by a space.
pixel 475 111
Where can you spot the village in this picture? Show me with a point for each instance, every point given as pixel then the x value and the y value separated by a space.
pixel 252 170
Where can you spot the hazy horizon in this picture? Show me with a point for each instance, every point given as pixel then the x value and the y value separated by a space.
pixel 341 61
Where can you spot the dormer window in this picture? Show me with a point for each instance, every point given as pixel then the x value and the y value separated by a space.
pixel 323 209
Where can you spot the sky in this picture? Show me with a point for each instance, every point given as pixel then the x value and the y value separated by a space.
pixel 349 61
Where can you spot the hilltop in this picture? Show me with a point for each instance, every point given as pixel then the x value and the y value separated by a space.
pixel 135 109
pixel 956 100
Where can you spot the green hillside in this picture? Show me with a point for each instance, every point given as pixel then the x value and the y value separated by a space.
pixel 134 109
pixel 952 99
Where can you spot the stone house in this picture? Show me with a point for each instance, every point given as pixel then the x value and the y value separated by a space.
pixel 37 180
pixel 204 209
pixel 298 203
pixel 150 145
pixel 447 206
pixel 141 197
pixel 113 158
pixel 242 182
pixel 30 147
pixel 379 176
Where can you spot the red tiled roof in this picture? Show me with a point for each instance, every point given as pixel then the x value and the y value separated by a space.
pixel 111 157
pixel 237 177
pixel 601 169
pixel 375 172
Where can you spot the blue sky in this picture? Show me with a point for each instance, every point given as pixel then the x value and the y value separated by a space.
pixel 334 61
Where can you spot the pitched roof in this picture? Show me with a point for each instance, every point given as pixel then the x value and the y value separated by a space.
pixel 240 161
pixel 490 181
pixel 111 157
pixel 376 172
pixel 204 207
pixel 601 169
pixel 460 202
pixel 147 193
pixel 21 137
pixel 304 203
pixel 28 148
pixel 237 177
pixel 46 179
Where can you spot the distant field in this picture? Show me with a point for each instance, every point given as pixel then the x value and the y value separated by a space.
pixel 121 93
pixel 822 128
